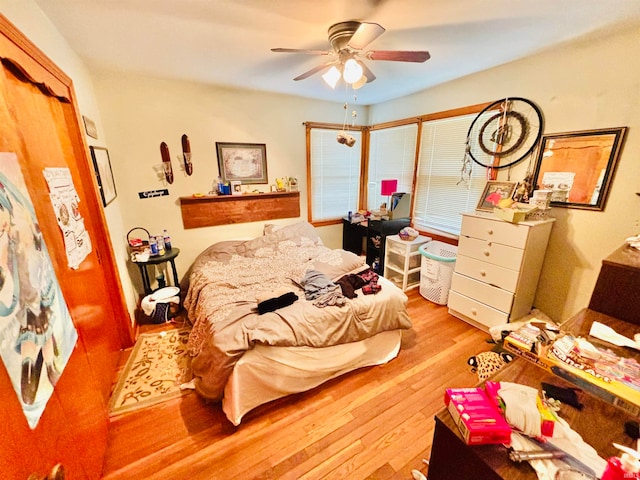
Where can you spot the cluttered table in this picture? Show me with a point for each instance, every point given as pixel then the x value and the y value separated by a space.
pixel 599 422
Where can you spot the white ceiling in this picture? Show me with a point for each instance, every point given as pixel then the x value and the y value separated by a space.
pixel 228 42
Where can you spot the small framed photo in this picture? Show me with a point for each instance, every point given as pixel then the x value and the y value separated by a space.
pixel 104 175
pixel 245 162
pixel 236 187
pixel 495 191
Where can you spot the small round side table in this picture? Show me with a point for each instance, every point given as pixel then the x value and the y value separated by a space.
pixel 169 256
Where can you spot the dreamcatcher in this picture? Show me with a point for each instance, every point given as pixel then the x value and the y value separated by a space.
pixel 503 134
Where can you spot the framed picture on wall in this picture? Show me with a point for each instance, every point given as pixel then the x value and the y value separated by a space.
pixel 495 191
pixel 104 174
pixel 243 162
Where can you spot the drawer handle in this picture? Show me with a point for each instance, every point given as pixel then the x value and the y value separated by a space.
pixel 490 231
pixel 474 311
pixel 483 273
pixel 486 253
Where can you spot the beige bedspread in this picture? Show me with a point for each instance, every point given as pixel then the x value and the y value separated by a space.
pixel 221 301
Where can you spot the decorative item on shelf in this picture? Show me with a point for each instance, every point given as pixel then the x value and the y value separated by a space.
pixel 293 184
pixel 408 234
pixel 236 187
pixel 166 162
pixel 186 154
pixel 281 184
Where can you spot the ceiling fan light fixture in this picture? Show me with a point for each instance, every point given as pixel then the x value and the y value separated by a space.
pixel 352 71
pixel 332 76
pixel 360 83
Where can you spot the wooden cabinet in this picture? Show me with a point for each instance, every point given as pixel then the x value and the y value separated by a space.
pixel 617 291
pixel 402 261
pixel 497 269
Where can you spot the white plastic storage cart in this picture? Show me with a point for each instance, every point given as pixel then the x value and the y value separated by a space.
pixel 438 263
pixel 402 261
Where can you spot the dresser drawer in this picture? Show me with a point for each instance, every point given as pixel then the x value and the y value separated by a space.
pixel 476 311
pixel 483 292
pixel 488 273
pixel 491 252
pixel 497 231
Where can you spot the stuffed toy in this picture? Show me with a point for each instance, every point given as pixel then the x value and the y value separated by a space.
pixel 485 364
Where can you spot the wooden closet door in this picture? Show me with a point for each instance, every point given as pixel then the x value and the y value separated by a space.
pixel 40 124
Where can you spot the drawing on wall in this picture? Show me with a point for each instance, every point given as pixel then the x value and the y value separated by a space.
pixel 65 202
pixel 37 335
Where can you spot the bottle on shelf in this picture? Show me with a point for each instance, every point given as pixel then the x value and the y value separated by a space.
pixel 167 239
pixel 160 243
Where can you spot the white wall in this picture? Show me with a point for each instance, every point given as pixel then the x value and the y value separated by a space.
pixel 587 85
pixel 141 112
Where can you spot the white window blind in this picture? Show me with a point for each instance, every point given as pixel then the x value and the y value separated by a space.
pixel 335 175
pixel 440 195
pixel 392 154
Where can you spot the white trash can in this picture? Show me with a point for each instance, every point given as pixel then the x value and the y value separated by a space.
pixel 436 269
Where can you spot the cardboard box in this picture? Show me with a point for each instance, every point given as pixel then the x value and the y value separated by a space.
pixel 477 417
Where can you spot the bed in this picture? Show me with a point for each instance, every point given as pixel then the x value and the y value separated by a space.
pixel 273 316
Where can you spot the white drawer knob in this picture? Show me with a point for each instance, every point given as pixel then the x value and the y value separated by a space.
pixel 474 311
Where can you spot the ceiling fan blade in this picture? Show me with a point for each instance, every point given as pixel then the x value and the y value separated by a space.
pixel 367 73
pixel 398 56
pixel 314 70
pixel 297 50
pixel 365 34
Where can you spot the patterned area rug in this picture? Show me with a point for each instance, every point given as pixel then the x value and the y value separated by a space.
pixel 154 372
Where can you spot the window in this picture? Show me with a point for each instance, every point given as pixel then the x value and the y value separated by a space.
pixel 392 154
pixel 335 174
pixel 440 195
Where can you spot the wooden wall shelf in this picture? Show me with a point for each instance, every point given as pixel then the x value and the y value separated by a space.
pixel 210 211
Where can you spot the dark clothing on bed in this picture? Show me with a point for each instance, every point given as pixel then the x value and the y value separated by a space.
pixel 367 280
pixel 281 301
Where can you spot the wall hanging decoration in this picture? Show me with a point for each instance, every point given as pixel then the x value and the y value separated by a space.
pixel 65 202
pixel 186 155
pixel 504 133
pixel 578 167
pixel 37 335
pixel 166 162
pixel 104 174
pixel 90 127
pixel 245 162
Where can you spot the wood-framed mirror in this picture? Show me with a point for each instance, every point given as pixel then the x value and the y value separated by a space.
pixel 578 167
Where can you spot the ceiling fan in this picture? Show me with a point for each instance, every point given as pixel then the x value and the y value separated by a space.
pixel 348 40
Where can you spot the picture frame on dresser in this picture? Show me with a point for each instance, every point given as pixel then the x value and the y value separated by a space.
pixel 494 191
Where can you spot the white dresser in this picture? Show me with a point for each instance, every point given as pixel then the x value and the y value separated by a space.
pixel 497 269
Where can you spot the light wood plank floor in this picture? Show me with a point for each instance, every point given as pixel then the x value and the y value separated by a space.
pixel 374 423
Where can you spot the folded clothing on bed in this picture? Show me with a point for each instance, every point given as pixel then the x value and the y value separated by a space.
pixel 279 298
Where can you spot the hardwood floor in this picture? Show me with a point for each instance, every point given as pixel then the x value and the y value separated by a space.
pixel 374 423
